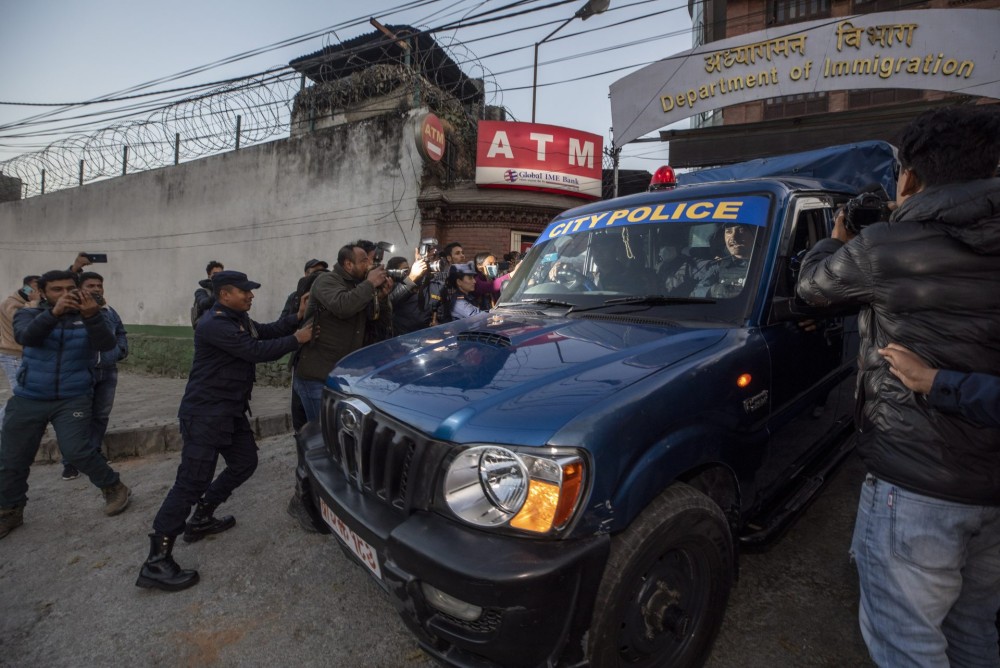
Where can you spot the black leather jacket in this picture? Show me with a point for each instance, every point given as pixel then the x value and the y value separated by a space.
pixel 930 280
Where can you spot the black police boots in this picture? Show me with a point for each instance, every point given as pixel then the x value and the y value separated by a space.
pixel 202 523
pixel 160 570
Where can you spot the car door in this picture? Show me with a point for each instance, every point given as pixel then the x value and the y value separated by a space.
pixel 811 384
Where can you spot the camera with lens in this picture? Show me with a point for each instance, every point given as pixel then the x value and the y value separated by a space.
pixel 397 274
pixel 871 206
pixel 428 252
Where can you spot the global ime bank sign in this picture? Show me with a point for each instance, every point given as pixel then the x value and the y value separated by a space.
pixel 951 50
pixel 531 156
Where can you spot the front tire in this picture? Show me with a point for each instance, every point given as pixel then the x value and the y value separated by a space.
pixel 666 584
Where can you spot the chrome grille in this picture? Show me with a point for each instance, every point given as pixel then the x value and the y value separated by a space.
pixel 374 452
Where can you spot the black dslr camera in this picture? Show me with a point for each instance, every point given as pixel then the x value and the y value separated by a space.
pixel 870 206
pixel 380 250
pixel 428 251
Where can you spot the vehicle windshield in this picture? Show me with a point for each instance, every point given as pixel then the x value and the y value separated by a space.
pixel 682 260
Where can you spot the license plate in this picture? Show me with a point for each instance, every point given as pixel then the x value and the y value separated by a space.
pixel 355 543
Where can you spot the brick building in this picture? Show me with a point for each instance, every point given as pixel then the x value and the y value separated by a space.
pixel 803 121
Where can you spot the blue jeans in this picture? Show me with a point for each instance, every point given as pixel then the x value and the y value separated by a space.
pixel 105 383
pixel 10 365
pixel 311 394
pixel 930 578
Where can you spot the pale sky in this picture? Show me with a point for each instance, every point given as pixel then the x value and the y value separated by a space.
pixel 70 51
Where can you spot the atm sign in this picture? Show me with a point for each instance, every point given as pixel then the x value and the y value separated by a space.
pixel 432 141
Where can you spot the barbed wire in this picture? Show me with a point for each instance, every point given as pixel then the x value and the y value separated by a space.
pixel 238 114
pixel 191 128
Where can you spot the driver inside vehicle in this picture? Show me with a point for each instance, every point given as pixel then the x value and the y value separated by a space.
pixel 722 276
pixel 609 265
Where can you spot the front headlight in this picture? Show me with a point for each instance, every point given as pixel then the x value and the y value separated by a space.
pixel 494 486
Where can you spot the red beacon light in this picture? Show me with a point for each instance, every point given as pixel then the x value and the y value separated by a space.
pixel 663 179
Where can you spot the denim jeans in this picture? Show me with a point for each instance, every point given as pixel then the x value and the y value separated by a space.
pixel 23 426
pixel 105 383
pixel 930 578
pixel 10 365
pixel 311 394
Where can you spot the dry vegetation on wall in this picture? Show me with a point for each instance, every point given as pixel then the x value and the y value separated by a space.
pixel 326 99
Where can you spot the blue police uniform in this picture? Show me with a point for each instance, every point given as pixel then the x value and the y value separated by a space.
pixel 213 412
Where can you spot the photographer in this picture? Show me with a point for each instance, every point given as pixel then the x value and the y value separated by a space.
pixel 105 370
pixel 60 337
pixel 928 528
pixel 439 291
pixel 407 313
pixel 338 306
pixel 399 285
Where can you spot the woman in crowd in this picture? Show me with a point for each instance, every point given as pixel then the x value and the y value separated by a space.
pixel 488 281
pixel 463 302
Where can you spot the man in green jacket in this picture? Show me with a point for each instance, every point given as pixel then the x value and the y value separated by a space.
pixel 338 304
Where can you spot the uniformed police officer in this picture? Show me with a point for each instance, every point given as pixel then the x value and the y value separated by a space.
pixel 213 422
pixel 719 277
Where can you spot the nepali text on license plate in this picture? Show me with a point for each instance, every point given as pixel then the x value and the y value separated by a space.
pixel 355 543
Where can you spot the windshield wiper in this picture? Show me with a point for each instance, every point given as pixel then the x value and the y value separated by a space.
pixel 539 302
pixel 652 300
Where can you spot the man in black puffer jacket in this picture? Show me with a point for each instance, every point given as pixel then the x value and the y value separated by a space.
pixel 927 537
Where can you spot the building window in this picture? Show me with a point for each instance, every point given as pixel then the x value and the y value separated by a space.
pixel 867 6
pixel 780 12
pixel 790 106
pixel 522 241
pixel 875 97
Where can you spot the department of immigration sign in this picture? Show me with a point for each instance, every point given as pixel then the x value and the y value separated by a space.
pixel 951 50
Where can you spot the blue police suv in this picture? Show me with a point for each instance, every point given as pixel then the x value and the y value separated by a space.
pixel 566 480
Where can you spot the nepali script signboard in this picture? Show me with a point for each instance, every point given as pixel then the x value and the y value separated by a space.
pixel 532 156
pixel 952 50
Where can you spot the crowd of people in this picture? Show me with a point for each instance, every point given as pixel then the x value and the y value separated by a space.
pixel 927 537
pixel 60 343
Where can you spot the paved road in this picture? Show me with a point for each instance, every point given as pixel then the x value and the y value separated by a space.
pixel 272 595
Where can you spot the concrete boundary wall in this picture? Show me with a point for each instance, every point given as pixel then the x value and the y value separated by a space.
pixel 264 210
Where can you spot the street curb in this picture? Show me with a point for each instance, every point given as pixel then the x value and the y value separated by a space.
pixel 157 438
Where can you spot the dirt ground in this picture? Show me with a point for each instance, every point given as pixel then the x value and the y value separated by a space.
pixel 273 595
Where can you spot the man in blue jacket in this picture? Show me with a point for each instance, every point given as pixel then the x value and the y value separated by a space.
pixel 55 384
pixel 213 422
pixel 105 369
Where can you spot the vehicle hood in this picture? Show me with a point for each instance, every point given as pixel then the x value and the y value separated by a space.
pixel 522 376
